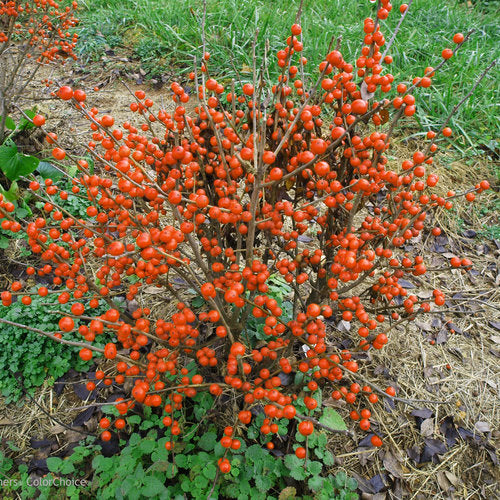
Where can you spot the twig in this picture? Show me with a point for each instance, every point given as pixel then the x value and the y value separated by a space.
pixel 401 19
pixel 455 109
pixel 62 341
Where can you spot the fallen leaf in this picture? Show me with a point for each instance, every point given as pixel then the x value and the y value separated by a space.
pixel 57 429
pixel 84 416
pixel 469 233
pixel 304 239
pixel 439 248
pixel 494 352
pixel 424 294
pixel 285 378
pixel 74 436
pixel 427 427
pixel 414 453
pixel 454 327
pixel 436 322
pixel 153 290
pixel 405 284
pixel 423 325
pixel 494 324
pixel 392 465
pixel 384 115
pixel 466 433
pixel 449 431
pixel 363 484
pixel 482 427
pixel 381 370
pixel 493 455
pixel 378 482
pixel 442 336
pixel 456 352
pixel 492 384
pixel 422 413
pixel 365 95
pixel 344 326
pixel 432 448
pixel 454 480
pixel 443 482
pixel 41 443
pixel 82 392
pixel 38 465
pixel 366 441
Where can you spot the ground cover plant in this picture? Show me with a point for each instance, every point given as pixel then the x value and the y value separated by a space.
pixel 266 220
pixel 28 358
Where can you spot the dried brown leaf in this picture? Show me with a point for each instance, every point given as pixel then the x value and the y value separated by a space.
pixel 427 427
pixel 57 429
pixel 392 465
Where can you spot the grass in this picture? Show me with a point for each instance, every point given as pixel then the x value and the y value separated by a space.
pixel 162 34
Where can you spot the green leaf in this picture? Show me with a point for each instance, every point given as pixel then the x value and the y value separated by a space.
pixel 340 479
pixel 134 439
pixel 263 483
pixel 328 458
pixel 255 453
pixel 146 424
pixel 207 441
pixel 111 410
pixel 25 124
pixel 299 377
pixel 153 487
pixel 181 461
pixel 127 486
pixel 292 461
pixel 12 194
pixel 67 467
pixel 14 164
pixel 351 484
pixel 48 171
pixel 4 242
pixel 333 419
pixel 21 212
pixel 252 432
pixel 296 467
pixel 298 474
pixel 90 161
pixel 53 463
pixel 197 301
pixel 210 471
pixel 201 482
pixel 315 483
pixel 10 123
pixel 313 467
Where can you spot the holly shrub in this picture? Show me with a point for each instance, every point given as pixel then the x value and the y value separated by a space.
pixel 237 190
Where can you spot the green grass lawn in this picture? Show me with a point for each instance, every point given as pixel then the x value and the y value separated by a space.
pixel 166 33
